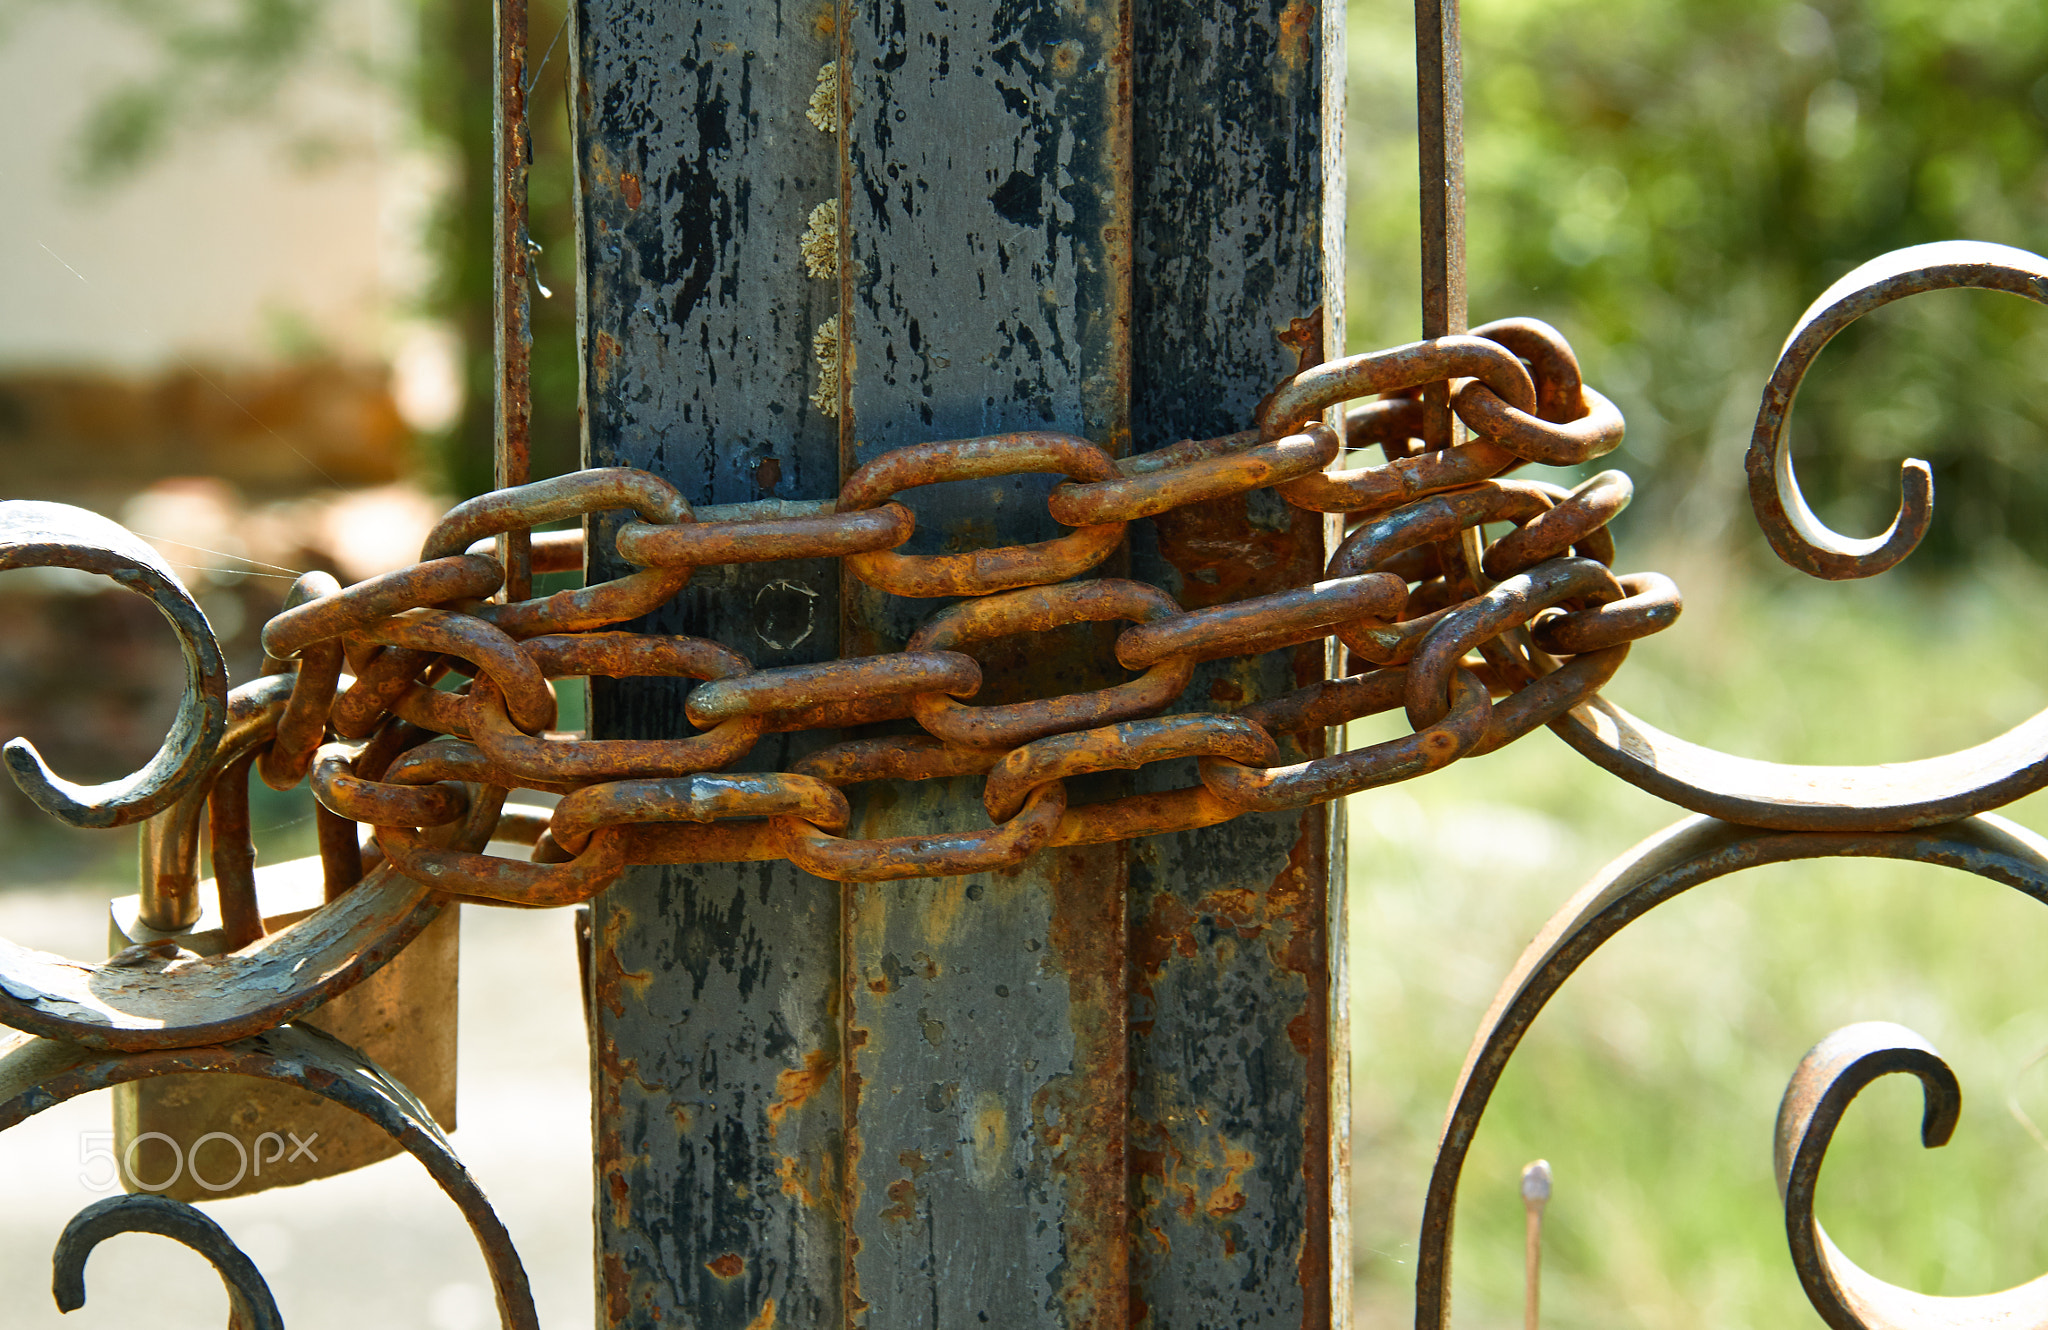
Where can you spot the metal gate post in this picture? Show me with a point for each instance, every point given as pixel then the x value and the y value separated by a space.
pixel 1239 1053
pixel 1105 1089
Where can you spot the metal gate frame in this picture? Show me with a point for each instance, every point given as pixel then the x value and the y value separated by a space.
pixel 1101 1087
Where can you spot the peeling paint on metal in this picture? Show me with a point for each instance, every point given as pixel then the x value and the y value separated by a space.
pixel 717 1020
pixel 1231 1042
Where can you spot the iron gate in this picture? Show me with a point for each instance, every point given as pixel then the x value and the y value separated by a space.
pixel 864 1052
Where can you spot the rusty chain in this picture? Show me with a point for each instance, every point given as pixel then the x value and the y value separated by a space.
pixel 1477 656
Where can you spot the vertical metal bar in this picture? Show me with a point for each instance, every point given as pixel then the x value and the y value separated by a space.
pixel 1440 125
pixel 989 255
pixel 715 989
pixel 918 1103
pixel 341 850
pixel 234 855
pixel 1238 1056
pixel 512 327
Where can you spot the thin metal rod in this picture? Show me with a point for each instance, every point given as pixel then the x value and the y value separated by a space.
pixel 341 852
pixel 1440 127
pixel 234 855
pixel 1535 1196
pixel 512 286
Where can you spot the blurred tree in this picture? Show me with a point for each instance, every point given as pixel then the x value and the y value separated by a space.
pixel 454 85
pixel 214 63
pixel 223 61
pixel 1672 183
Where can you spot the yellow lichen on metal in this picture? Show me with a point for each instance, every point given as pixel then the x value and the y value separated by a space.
pixel 820 242
pixel 825 346
pixel 824 108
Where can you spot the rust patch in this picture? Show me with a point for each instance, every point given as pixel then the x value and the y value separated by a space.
pixel 1222 556
pixel 600 160
pixel 1169 932
pixel 1228 1197
pixel 1157 1167
pixel 940 920
pixel 605 349
pixel 1081 1120
pixel 1241 908
pixel 903 1198
pixel 1295 903
pixel 1304 337
pixel 612 978
pixel 729 1266
pixel 795 1176
pixel 796 1084
pixel 991 1144
pixel 629 188
pixel 1226 692
pixel 1297 33
pixel 621 1193
pixel 1301 1033
pixel 914 1161
pixel 768 474
pixel 1300 897
pixel 620 1070
pixel 618 1301
pixel 766 1320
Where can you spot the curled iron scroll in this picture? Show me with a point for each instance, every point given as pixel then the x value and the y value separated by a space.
pixel 1795 532
pixel 250 1306
pixel 1887 797
pixel 1835 798
pixel 158 1001
pixel 1683 856
pixel 36 1074
pixel 171 998
pixel 57 535
pixel 1846 1296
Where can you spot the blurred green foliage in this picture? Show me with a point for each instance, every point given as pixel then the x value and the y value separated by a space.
pixel 454 87
pixel 1672 183
pixel 221 61
pixel 1651 1081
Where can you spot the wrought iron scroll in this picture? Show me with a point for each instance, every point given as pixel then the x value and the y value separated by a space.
pixel 250 1305
pixel 1690 854
pixel 1935 810
pixel 36 1074
pixel 43 535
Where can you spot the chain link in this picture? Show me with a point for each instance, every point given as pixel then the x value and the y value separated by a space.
pixel 1476 657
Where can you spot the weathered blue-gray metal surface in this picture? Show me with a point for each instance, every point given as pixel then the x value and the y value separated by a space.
pixel 1238 1067
pixel 912 1103
pixel 715 1022
pixel 988 242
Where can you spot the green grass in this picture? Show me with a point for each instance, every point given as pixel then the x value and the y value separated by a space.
pixel 1652 1081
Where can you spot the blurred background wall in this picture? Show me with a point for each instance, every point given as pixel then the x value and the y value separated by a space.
pixel 228 319
pixel 217 251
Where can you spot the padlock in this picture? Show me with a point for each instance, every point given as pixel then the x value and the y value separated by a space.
pixel 206 1136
